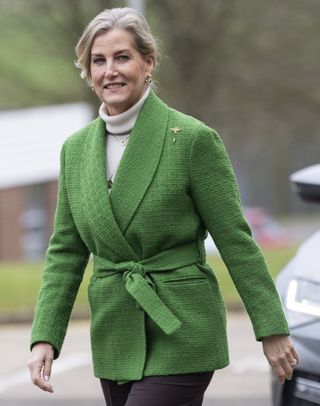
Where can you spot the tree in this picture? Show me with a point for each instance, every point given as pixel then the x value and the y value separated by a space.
pixel 248 69
pixel 37 50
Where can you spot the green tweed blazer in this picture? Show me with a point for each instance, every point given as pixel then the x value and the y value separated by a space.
pixel 156 307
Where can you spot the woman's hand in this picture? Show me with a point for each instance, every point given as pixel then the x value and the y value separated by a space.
pixel 281 355
pixel 40 365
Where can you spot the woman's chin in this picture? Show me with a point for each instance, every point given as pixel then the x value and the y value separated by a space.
pixel 115 106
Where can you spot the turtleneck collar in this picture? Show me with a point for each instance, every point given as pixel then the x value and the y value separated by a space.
pixel 124 122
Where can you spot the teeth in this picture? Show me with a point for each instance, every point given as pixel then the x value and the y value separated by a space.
pixel 114 86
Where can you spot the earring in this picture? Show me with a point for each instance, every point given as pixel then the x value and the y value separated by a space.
pixel 92 89
pixel 148 79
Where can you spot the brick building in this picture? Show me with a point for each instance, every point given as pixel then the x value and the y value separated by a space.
pixel 30 143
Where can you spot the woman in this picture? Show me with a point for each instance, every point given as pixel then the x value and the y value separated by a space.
pixel 158 328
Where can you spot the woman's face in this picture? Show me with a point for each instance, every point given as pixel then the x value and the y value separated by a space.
pixel 118 70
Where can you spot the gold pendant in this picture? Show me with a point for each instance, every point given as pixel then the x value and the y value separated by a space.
pixel 110 183
pixel 175 131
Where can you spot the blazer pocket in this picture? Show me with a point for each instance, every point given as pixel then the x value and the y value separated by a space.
pixel 186 280
pixel 187 275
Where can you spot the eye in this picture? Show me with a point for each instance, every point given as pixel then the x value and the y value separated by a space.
pixel 98 60
pixel 122 58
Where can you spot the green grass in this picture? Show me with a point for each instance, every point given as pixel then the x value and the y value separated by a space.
pixel 19 282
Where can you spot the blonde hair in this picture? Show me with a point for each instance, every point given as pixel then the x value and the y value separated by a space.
pixel 122 18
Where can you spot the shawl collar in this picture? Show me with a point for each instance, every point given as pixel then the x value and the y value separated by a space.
pixel 109 215
pixel 140 160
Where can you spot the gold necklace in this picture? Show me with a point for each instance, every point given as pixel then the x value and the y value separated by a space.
pixel 123 143
pixel 109 181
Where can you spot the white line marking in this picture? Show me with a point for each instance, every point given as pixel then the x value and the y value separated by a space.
pixel 59 366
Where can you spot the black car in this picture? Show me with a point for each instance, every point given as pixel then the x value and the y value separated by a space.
pixel 299 287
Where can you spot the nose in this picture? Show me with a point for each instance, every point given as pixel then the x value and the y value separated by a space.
pixel 110 71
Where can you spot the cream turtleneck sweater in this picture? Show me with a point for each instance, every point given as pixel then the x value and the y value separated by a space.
pixel 118 129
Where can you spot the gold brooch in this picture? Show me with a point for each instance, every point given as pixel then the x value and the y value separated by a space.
pixel 175 131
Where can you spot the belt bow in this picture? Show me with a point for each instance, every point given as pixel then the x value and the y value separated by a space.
pixel 142 289
pixel 140 285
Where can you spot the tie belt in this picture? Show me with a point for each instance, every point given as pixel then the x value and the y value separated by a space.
pixel 140 286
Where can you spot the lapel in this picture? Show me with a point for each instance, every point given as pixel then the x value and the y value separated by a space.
pixel 95 198
pixel 109 215
pixel 140 160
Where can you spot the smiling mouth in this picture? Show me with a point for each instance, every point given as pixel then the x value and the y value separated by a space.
pixel 114 85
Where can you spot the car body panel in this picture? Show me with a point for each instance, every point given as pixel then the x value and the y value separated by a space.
pixel 304 388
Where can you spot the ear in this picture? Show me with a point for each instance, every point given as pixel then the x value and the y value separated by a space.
pixel 149 63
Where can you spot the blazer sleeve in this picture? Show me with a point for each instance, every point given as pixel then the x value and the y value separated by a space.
pixel 65 261
pixel 215 193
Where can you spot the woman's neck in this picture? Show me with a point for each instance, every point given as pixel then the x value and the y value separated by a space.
pixel 124 122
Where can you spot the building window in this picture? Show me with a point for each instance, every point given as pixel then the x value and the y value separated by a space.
pixel 33 223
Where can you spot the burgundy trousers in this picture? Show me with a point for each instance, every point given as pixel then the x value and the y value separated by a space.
pixel 171 390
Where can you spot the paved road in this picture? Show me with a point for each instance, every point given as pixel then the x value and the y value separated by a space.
pixel 245 382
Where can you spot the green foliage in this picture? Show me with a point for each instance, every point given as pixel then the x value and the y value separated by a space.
pixel 37 51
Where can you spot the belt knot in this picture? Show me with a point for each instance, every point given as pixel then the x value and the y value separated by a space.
pixel 133 268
